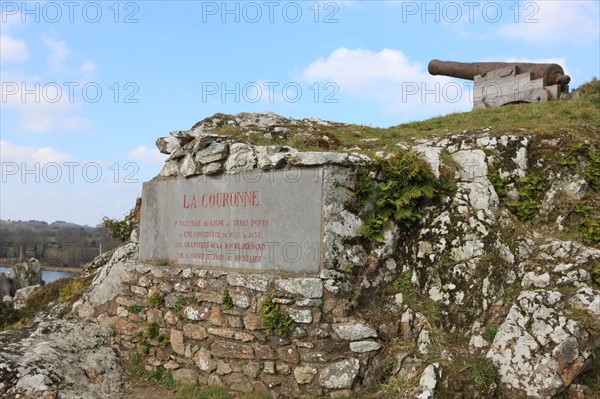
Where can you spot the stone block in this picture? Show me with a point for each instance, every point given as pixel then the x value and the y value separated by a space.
pixel 252 220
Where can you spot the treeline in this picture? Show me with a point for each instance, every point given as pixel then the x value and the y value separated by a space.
pixel 53 244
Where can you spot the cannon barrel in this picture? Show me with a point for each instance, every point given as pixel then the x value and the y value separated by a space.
pixel 551 73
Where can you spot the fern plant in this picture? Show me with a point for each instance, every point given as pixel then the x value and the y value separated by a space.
pixel 274 318
pixel 592 171
pixel 404 183
pixel 531 188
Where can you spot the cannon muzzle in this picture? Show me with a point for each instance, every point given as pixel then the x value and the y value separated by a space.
pixel 551 73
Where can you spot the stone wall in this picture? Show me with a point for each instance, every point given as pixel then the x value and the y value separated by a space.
pixel 212 343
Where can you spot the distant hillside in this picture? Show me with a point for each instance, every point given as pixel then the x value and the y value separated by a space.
pixel 54 244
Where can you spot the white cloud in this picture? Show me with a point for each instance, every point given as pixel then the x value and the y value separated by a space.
pixel 87 70
pixel 147 155
pixel 397 83
pixel 42 106
pixel 555 21
pixel 15 153
pixel 13 50
pixel 59 52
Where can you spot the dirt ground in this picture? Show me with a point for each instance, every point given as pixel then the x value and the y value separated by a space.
pixel 139 388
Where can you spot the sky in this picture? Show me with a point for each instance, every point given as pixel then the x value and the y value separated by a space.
pixel 87 87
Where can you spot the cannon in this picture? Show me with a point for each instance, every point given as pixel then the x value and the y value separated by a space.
pixel 500 83
pixel 551 73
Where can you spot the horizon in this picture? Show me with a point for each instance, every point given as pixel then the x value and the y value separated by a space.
pixel 87 87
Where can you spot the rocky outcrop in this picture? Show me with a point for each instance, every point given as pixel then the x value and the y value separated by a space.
pixel 541 346
pixel 21 275
pixel 200 151
pixel 483 296
pixel 525 299
pixel 57 359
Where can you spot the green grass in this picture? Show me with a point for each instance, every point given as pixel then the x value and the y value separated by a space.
pixel 553 119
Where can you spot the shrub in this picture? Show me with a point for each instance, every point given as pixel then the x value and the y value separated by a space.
pixel 73 289
pixel 120 229
pixel 9 315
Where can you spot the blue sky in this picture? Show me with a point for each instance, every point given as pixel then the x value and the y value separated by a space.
pixel 87 87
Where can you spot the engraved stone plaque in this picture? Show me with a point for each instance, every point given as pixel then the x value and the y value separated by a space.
pixel 257 220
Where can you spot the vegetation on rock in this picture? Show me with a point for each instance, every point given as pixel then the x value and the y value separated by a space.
pixel 275 319
pixel 227 300
pixel 402 184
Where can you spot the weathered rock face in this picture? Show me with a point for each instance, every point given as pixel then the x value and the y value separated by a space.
pixel 517 304
pixel 59 359
pixel 538 348
pixel 21 275
pixel 26 273
pixel 21 295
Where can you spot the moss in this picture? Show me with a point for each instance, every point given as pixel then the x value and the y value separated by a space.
pixel 163 262
pixel 156 299
pixel 135 309
pixel 179 304
pixel 595 274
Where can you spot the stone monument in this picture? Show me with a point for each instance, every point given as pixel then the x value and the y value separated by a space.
pixel 260 220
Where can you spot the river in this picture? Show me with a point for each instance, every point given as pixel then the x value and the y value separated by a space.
pixel 47 275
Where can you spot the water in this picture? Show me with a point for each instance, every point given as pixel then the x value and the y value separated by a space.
pixel 47 275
